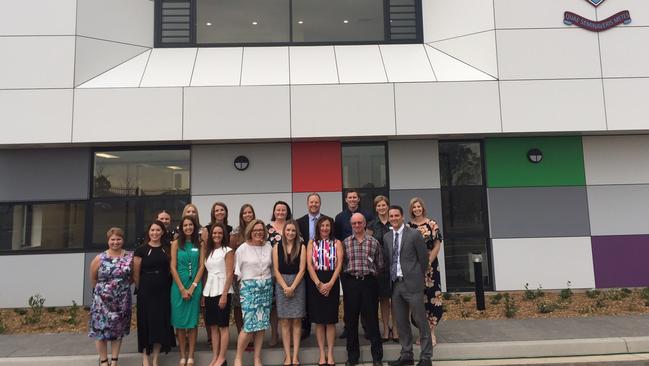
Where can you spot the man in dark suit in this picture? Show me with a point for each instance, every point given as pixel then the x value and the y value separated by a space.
pixel 307 229
pixel 406 255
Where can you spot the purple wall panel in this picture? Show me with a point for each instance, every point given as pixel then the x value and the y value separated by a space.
pixel 621 261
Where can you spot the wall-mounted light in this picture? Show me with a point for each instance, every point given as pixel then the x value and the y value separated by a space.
pixel 241 163
pixel 106 156
pixel 535 156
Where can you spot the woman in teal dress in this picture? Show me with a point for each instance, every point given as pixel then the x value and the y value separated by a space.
pixel 187 270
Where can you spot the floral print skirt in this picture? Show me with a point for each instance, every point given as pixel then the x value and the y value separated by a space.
pixel 433 294
pixel 256 301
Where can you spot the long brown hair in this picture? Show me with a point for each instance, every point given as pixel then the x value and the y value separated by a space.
pixel 213 217
pixel 297 243
pixel 320 221
pixel 210 245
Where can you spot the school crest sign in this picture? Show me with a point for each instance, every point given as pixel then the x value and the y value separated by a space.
pixel 622 17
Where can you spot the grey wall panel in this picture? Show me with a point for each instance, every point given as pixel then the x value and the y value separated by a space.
pixel 331 203
pixel 213 171
pixel 405 173
pixel 44 174
pixel 432 198
pixel 619 209
pixel 87 288
pixel 538 212
pixel 56 277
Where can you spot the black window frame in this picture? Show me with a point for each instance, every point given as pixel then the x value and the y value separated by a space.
pixel 157 41
pixel 373 192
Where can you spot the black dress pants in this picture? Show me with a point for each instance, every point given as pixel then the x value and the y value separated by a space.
pixel 361 298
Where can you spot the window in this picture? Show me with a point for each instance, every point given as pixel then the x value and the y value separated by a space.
pixel 131 186
pixel 365 169
pixel 464 209
pixel 42 226
pixel 236 22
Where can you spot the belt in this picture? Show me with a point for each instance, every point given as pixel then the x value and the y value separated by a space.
pixel 359 276
pixel 151 272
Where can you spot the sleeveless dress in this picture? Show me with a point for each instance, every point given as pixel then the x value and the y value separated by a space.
pixel 185 313
pixel 153 301
pixel 323 309
pixel 214 284
pixel 290 307
pixel 110 312
pixel 433 290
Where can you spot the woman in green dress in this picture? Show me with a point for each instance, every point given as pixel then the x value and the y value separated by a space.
pixel 187 265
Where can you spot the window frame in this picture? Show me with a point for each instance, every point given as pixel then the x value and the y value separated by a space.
pixel 372 191
pixel 157 38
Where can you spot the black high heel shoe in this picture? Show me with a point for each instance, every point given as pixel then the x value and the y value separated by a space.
pixel 387 339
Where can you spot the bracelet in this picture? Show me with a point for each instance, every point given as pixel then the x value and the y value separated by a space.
pixel 194 284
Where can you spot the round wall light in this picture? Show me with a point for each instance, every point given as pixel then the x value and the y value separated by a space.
pixel 241 163
pixel 535 156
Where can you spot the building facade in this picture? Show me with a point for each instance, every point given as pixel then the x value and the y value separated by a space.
pixel 527 136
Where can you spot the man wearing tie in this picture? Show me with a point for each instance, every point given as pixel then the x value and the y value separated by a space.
pixel 407 258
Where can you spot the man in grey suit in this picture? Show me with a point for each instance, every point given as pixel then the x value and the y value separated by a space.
pixel 407 259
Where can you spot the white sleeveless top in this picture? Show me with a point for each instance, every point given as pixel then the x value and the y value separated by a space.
pixel 215 266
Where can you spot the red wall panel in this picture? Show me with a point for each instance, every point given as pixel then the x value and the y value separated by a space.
pixel 316 166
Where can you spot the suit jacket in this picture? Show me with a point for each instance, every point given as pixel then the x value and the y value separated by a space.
pixel 413 257
pixel 303 223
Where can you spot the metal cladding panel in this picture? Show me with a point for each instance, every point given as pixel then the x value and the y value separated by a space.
pixel 44 175
pixel 620 261
pixel 414 164
pixel 508 165
pixel 619 209
pixel 316 166
pixel 538 212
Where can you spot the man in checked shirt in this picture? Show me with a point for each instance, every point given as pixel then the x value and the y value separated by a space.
pixel 363 261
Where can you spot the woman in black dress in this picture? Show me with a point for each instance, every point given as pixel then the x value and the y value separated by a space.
pixel 324 263
pixel 433 238
pixel 153 282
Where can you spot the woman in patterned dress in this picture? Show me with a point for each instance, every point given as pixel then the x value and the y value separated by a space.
pixel 324 263
pixel 281 213
pixel 111 273
pixel 433 237
pixel 253 266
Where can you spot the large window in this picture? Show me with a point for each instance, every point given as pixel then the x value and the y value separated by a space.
pixel 42 226
pixel 365 169
pixel 237 22
pixel 464 209
pixel 131 186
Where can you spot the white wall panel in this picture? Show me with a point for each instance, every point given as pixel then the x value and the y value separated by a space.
pixel 36 62
pixel 342 110
pixel 626 103
pixel 94 57
pixel 213 170
pixel 618 209
pixel 552 105
pixel 407 62
pixel 37 17
pixel 213 113
pixel 128 21
pixel 625 52
pixel 616 159
pixel 262 203
pixel 360 64
pixel 313 65
pixel 265 66
pixel 151 114
pixel 538 14
pixel 56 277
pixel 546 262
pixel 548 53
pixel 441 108
pixel 448 68
pixel 330 204
pixel 127 75
pixel 639 10
pixel 36 116
pixel 406 175
pixel 477 50
pixel 217 66
pixel 445 19
pixel 169 67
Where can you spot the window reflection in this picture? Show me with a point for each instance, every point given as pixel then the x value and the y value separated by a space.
pixel 338 20
pixel 460 164
pixel 365 169
pixel 141 173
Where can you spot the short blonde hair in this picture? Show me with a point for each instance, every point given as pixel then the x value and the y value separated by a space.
pixel 378 199
pixel 251 225
pixel 421 202
pixel 114 231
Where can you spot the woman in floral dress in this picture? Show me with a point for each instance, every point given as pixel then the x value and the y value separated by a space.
pixel 433 237
pixel 110 312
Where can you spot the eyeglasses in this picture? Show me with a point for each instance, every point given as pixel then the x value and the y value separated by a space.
pixel 258 231
pixel 357 223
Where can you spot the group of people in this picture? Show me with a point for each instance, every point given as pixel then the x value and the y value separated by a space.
pixel 287 270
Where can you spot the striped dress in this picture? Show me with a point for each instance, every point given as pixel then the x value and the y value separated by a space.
pixel 323 309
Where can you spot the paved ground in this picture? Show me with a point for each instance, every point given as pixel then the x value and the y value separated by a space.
pixel 458 340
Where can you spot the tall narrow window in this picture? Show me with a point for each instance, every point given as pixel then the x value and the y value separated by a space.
pixel 365 169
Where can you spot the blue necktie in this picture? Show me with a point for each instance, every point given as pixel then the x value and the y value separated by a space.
pixel 395 257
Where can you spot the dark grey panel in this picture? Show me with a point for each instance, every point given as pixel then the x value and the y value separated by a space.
pixel 44 174
pixel 538 212
pixel 432 198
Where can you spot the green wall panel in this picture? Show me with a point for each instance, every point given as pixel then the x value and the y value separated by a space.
pixel 562 164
